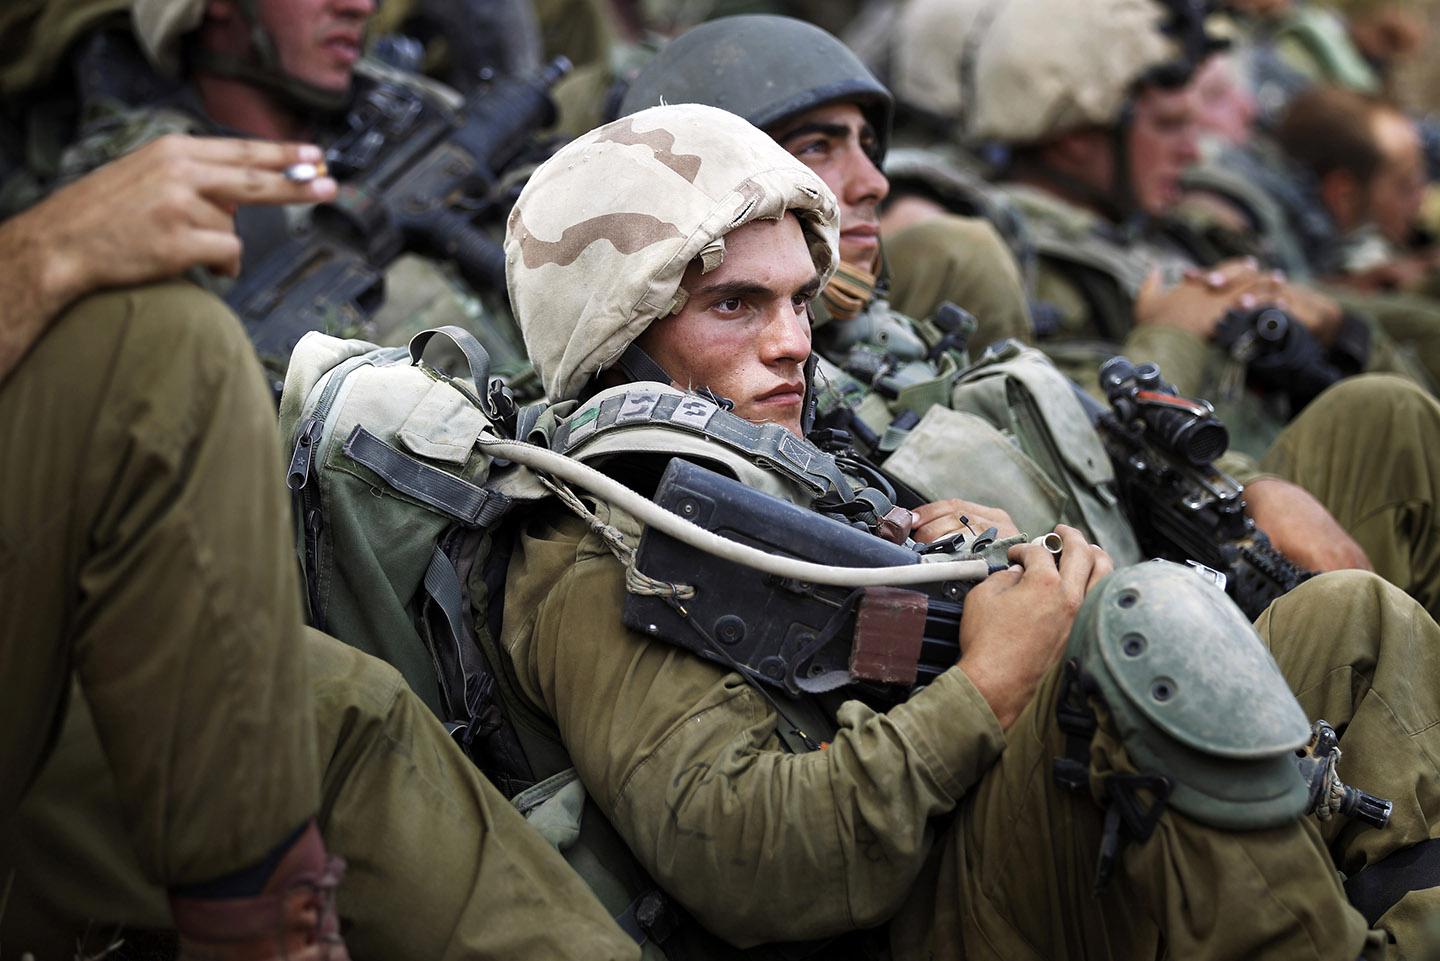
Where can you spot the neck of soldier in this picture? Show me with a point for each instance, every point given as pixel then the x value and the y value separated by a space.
pixel 252 110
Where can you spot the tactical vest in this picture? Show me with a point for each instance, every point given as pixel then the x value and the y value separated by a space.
pixel 653 420
pixel 1005 432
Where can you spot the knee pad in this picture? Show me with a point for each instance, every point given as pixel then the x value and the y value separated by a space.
pixel 1195 697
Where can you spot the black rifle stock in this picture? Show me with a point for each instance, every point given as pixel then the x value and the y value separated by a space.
pixel 413 178
pixel 787 634
pixel 1183 508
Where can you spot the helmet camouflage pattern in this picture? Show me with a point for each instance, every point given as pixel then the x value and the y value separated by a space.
pixel 600 238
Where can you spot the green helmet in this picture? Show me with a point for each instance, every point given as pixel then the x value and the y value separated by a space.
pixel 1194 695
pixel 160 26
pixel 764 68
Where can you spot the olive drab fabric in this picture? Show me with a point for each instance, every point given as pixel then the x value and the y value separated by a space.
pixel 602 257
pixel 1046 67
pixel 142 521
pixel 36 34
pixel 441 866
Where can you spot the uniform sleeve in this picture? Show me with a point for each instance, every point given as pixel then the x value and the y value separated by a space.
pixel 1183 358
pixel 684 760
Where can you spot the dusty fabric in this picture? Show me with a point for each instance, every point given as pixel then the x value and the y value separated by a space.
pixel 1367 449
pixel 931 43
pixel 603 232
pixel 684 761
pixel 440 866
pixel 145 549
pixel 1047 67
pixel 962 260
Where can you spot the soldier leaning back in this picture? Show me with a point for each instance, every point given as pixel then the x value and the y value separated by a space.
pixel 686 232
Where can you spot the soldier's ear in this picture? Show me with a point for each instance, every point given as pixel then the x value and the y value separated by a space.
pixel 222 11
pixel 1344 197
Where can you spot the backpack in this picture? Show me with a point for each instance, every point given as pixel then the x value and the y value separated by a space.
pixel 394 504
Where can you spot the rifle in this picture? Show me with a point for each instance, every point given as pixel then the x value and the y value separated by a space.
pixel 879 643
pixel 1281 356
pixel 1183 508
pixel 787 634
pixel 415 177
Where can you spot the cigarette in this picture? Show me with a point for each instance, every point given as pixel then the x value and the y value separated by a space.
pixel 306 172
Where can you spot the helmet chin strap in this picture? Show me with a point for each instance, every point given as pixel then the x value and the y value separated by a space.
pixel 263 69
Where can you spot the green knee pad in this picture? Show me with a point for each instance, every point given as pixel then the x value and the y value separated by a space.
pixel 1194 695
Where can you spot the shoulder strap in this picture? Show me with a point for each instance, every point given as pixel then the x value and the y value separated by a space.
pixel 652 405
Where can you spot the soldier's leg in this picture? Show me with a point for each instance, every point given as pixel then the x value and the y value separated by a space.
pixel 440 865
pixel 1362 655
pixel 1017 871
pixel 145 547
pixel 963 260
pixel 1369 449
pixel 1016 877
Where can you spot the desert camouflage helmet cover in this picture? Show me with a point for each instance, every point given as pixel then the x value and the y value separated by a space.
pixel 933 38
pixel 599 240
pixel 1047 67
pixel 160 24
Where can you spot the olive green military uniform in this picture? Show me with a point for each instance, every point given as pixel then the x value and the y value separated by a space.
pixel 685 761
pixel 440 865
pixel 146 553
pixel 420 292
pixel 962 260
pixel 144 550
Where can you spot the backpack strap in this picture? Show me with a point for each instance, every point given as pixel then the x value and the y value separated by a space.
pixel 465 502
pixel 653 405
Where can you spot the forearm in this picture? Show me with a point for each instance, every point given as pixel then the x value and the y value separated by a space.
pixel 685 761
pixel 1182 356
pixel 33 287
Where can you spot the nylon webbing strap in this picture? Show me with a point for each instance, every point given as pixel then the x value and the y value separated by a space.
pixel 461 500
pixel 771 444
pixel 1379 887
pixel 442 583
pixel 475 356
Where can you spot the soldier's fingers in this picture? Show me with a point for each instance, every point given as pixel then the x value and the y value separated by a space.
pixel 1103 566
pixel 217 250
pixel 1076 561
pixel 240 185
pixel 236 152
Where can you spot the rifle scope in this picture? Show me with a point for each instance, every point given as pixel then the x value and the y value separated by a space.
pixel 1186 428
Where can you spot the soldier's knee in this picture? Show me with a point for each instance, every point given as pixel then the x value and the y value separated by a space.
pixel 348 681
pixel 1378 399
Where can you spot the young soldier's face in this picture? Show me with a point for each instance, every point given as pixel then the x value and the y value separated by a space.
pixel 318 41
pixel 1162 146
pixel 838 144
pixel 1397 191
pixel 744 332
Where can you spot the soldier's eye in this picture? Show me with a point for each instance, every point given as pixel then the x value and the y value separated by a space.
pixel 729 305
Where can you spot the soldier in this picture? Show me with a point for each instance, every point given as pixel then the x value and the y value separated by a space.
pixel 185 777
pixel 680 247
pixel 266 68
pixel 826 115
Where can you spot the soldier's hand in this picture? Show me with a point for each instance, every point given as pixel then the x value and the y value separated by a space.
pixel 161 210
pixel 1201 299
pixel 1301 528
pixel 1321 315
pixel 941 518
pixel 1016 622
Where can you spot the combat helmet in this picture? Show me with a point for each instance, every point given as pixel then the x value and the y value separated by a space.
pixel 764 68
pixel 1045 68
pixel 935 43
pixel 161 25
pixel 599 240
